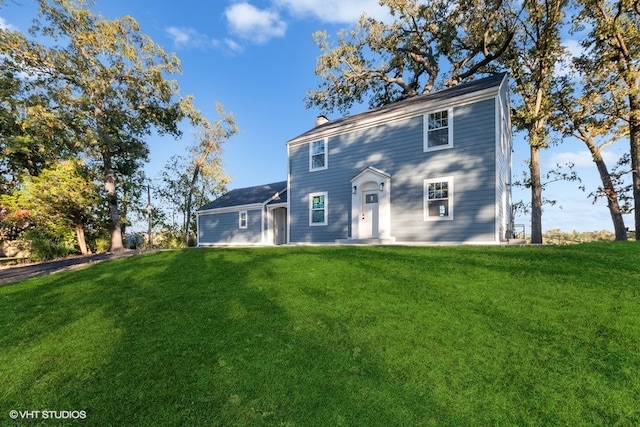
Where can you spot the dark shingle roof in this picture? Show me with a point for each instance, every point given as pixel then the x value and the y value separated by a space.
pixel 495 80
pixel 249 195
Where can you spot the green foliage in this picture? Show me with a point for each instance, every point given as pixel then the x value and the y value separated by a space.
pixel 108 84
pixel 50 241
pixel 383 62
pixel 194 181
pixel 64 195
pixel 101 243
pixel 532 59
pixel 65 192
pixel 610 69
pixel 33 130
pixel 371 336
pixel 165 239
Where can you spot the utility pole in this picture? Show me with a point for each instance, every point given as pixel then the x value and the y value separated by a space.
pixel 149 209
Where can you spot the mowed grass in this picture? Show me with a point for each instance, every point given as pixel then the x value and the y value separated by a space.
pixel 331 336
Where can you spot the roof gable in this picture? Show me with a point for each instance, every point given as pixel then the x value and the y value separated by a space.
pixel 371 170
pixel 407 106
pixel 249 196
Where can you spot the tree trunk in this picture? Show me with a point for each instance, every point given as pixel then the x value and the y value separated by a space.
pixel 634 139
pixel 612 198
pixel 613 202
pixel 184 224
pixel 82 241
pixel 536 194
pixel 192 185
pixel 112 203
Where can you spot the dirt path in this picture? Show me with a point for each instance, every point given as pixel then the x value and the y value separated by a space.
pixel 22 272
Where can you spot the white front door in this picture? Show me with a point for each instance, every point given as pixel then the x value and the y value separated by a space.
pixel 279 226
pixel 369 222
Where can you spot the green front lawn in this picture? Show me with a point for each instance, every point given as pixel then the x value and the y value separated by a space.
pixel 330 336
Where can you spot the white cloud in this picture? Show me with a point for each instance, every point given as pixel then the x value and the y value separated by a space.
pixel 580 159
pixel 250 23
pixel 232 45
pixel 184 37
pixel 4 25
pixel 335 11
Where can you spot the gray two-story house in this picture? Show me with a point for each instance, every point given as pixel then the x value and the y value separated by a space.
pixel 431 169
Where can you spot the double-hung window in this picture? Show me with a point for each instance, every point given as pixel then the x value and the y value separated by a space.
pixel 242 219
pixel 438 199
pixel 318 155
pixel 438 132
pixel 318 208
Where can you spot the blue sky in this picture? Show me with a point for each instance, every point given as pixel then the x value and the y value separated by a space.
pixel 257 58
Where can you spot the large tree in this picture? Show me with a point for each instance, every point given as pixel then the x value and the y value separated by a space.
pixel 425 46
pixel 201 176
pixel 33 136
pixel 112 81
pixel 612 56
pixel 206 158
pixel 588 114
pixel 532 60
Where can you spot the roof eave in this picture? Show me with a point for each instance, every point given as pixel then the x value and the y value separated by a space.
pixel 369 119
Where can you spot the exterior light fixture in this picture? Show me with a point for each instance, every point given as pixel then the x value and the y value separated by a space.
pixel 355 188
pixel 382 186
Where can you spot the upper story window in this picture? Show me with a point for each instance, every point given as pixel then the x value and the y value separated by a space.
pixel 438 199
pixel 242 219
pixel 318 208
pixel 318 155
pixel 438 130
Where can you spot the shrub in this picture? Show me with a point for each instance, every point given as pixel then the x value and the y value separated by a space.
pixel 51 242
pixel 102 243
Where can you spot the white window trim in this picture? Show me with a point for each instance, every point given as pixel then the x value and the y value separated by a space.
pixel 326 155
pixel 425 119
pixel 246 220
pixel 326 209
pixel 449 180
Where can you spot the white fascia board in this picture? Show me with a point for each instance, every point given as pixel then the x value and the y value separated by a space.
pixel 277 205
pixel 275 196
pixel 371 169
pixel 237 208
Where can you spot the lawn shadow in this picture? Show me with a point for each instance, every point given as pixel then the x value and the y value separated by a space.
pixel 191 337
pixel 274 336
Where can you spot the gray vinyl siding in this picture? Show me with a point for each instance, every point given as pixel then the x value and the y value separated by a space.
pixel 223 228
pixel 397 148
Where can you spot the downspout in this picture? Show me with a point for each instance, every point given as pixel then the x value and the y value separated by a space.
pixel 288 241
pixel 498 201
pixel 262 225
pixel 197 229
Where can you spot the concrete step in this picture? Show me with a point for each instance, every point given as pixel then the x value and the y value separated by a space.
pixel 516 242
pixel 389 241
